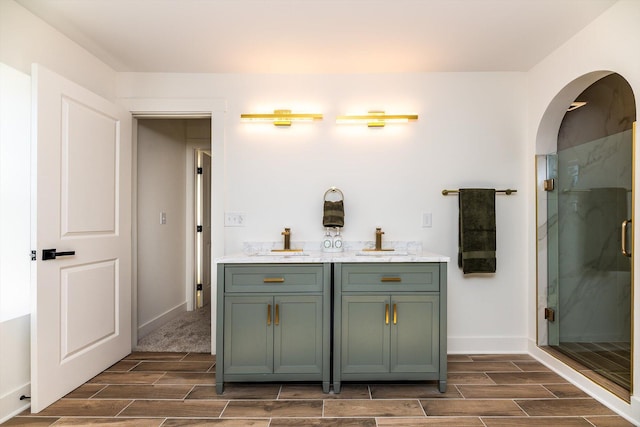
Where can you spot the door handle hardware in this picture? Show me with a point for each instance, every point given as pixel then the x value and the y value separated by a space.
pixel 386 314
pixel 391 279
pixel 48 254
pixel 277 322
pixel 395 314
pixel 625 223
pixel 273 280
pixel 268 314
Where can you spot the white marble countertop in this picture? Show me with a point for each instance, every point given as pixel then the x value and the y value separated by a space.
pixel 310 252
pixel 322 257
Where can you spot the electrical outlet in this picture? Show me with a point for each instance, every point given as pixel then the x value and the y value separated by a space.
pixel 235 219
pixel 426 219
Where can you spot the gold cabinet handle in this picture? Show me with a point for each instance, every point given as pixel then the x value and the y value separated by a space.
pixel 395 314
pixel 391 279
pixel 273 280
pixel 386 314
pixel 268 314
pixel 277 322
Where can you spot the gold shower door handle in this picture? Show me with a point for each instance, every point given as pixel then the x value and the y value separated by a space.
pixel 268 314
pixel 624 238
pixel 386 314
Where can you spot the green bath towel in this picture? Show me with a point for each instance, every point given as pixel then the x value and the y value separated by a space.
pixel 477 230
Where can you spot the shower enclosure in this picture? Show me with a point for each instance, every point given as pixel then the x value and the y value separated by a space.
pixel 589 210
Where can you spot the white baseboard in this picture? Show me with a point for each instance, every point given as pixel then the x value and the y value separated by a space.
pixel 486 345
pixel 10 403
pixel 160 320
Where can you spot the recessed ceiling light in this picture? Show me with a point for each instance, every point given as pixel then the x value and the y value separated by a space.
pixel 575 105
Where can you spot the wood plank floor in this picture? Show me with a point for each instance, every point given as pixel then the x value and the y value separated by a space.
pixel 175 389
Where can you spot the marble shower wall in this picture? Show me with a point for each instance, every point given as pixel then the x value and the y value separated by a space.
pixel 579 241
pixel 594 197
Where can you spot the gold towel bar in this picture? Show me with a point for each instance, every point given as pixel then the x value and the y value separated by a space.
pixel 508 191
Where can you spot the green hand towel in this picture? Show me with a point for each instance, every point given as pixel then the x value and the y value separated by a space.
pixel 477 230
pixel 333 214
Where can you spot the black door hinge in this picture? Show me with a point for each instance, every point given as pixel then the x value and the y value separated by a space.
pixel 33 255
pixel 199 171
pixel 199 229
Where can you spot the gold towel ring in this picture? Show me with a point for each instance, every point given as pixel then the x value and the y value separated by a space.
pixel 331 191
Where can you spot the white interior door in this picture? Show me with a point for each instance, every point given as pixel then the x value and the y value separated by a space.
pixel 203 275
pixel 81 195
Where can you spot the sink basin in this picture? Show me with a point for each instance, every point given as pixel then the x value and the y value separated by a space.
pixel 279 252
pixel 382 253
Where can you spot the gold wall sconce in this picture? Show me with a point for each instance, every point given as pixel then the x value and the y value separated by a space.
pixel 281 117
pixel 377 119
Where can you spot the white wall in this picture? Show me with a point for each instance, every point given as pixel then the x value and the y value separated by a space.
pixel 609 43
pixel 161 247
pixel 15 113
pixel 471 132
pixel 25 39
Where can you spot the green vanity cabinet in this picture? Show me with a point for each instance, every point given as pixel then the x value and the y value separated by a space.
pixel 273 323
pixel 389 322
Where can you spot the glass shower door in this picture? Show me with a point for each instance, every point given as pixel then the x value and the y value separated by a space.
pixel 589 283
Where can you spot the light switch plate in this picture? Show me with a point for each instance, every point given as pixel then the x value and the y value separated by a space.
pixel 426 219
pixel 235 219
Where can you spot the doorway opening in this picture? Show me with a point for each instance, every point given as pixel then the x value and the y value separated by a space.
pixel 585 203
pixel 173 234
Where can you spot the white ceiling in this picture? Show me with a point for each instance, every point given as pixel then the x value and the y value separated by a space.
pixel 319 36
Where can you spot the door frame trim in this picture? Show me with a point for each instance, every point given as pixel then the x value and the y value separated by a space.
pixel 215 108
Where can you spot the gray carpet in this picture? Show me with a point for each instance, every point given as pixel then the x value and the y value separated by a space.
pixel 191 331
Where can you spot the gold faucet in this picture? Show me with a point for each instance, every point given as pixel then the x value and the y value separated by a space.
pixel 287 238
pixel 379 234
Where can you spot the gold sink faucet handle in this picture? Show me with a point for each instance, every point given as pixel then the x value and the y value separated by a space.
pixel 287 238
pixel 379 234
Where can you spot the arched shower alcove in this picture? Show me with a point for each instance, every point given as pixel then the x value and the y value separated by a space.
pixel 584 196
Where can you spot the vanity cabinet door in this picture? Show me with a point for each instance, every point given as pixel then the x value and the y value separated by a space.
pixel 298 334
pixel 248 335
pixel 365 334
pixel 414 333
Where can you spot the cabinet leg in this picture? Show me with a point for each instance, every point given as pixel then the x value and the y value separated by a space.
pixel 442 386
pixel 326 386
pixel 336 387
pixel 219 387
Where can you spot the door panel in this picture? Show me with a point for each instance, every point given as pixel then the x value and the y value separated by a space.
pixel 365 334
pixel 84 325
pixel 414 333
pixel 81 199
pixel 298 335
pixel 89 171
pixel 248 335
